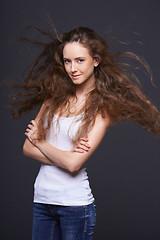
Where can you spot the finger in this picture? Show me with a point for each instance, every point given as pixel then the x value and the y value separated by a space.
pixel 84 144
pixel 33 122
pixel 30 126
pixel 84 139
pixel 27 130
pixel 28 136
pixel 78 150
pixel 82 147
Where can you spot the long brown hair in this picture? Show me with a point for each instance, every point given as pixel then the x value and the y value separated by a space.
pixel 117 93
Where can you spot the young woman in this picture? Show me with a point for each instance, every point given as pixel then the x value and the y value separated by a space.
pixel 83 89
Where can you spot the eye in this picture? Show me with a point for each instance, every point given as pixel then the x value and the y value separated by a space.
pixel 67 61
pixel 80 60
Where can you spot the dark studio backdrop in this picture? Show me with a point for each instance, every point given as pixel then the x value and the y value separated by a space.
pixel 124 171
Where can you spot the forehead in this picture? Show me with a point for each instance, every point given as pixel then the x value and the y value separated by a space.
pixel 75 49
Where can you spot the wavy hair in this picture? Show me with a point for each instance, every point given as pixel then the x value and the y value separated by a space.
pixel 117 93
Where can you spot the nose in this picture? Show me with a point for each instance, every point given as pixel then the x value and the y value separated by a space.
pixel 73 67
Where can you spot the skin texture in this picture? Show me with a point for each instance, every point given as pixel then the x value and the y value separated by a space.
pixel 80 67
pixel 79 64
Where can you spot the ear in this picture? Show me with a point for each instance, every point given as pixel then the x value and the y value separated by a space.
pixel 96 62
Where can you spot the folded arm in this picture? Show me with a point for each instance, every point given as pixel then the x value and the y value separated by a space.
pixel 29 148
pixel 31 151
pixel 72 161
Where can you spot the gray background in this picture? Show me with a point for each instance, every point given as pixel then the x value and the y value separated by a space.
pixel 124 171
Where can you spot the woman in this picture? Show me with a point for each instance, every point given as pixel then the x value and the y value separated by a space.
pixel 83 89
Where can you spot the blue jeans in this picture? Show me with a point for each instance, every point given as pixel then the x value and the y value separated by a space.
pixel 54 222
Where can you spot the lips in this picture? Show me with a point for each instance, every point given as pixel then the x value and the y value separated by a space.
pixel 76 76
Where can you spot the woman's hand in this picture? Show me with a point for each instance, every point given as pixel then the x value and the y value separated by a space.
pixel 32 132
pixel 82 146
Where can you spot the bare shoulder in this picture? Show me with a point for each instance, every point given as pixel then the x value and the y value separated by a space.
pixel 43 108
pixel 101 124
pixel 105 121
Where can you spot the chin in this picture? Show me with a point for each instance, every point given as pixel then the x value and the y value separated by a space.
pixel 76 82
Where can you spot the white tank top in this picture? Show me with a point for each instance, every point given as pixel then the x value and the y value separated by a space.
pixel 55 185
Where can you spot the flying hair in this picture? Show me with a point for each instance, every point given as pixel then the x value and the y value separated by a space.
pixel 117 95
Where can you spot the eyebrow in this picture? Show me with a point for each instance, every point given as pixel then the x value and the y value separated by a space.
pixel 75 58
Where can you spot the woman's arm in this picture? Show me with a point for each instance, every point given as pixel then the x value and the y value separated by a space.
pixel 30 150
pixel 72 161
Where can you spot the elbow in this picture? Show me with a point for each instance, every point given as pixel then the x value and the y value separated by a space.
pixel 25 152
pixel 75 164
pixel 73 168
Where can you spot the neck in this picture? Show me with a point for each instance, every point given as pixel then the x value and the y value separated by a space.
pixel 85 88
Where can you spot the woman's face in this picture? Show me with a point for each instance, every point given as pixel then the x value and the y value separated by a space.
pixel 79 64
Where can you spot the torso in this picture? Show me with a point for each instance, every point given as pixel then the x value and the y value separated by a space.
pixel 55 185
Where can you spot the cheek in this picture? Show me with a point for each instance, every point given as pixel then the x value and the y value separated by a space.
pixel 66 68
pixel 90 69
